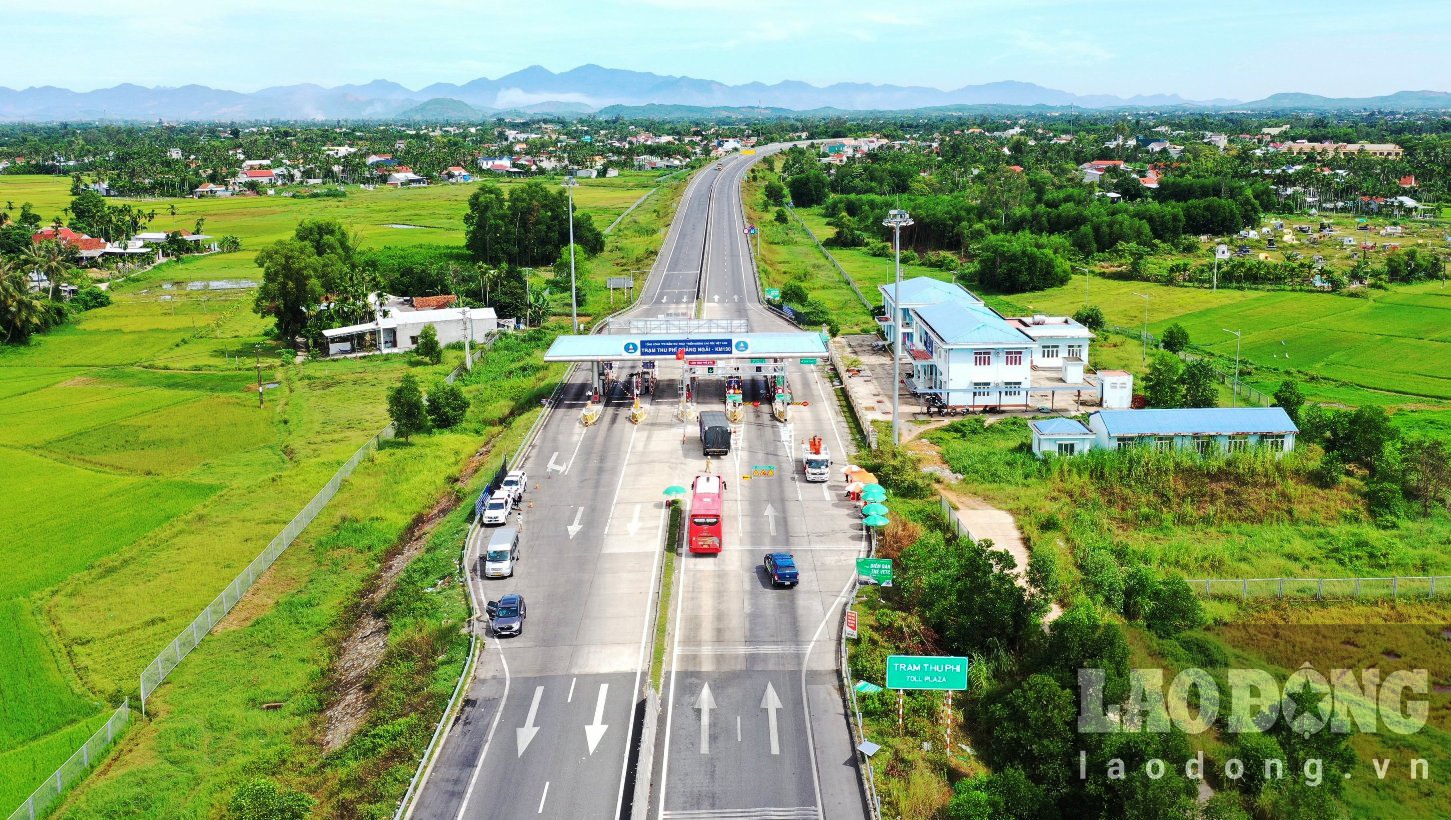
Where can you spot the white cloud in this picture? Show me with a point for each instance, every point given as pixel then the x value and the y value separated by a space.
pixel 1063 46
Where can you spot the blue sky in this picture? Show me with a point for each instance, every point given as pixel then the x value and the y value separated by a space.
pixel 1200 48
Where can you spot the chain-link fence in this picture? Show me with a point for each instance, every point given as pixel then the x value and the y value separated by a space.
pixel 183 644
pixel 1395 587
pixel 74 769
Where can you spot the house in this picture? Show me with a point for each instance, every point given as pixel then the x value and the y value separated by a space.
pixel 584 173
pixel 87 247
pixel 1380 150
pixel 457 173
pixel 380 159
pixel 432 302
pixel 208 189
pixel 261 176
pixel 397 331
pixel 256 163
pixel 1059 342
pixel 403 177
pixel 500 165
pixel 1060 436
pixel 1408 181
pixel 1209 429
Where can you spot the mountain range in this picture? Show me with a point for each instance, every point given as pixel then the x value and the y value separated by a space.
pixel 591 88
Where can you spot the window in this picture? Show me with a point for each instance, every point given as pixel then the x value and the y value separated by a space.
pixel 980 390
pixel 1203 444
pixel 1012 390
pixel 1238 444
pixel 1163 443
pixel 1048 351
pixel 1065 448
pixel 982 358
pixel 1014 358
pixel 1075 351
pixel 1125 442
pixel 1275 441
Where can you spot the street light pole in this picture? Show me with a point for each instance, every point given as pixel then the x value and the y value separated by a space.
pixel 897 219
pixel 1145 337
pixel 569 184
pixel 1234 391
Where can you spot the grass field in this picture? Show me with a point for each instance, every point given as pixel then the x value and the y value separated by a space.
pixel 135 451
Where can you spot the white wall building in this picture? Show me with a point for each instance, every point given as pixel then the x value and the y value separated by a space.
pixel 398 330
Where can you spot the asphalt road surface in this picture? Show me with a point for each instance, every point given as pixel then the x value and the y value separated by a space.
pixel 550 716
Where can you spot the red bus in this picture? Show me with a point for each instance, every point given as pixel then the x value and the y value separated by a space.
pixel 704 529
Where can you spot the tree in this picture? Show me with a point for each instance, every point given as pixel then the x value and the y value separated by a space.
pixel 1362 436
pixel 447 405
pixel 1174 608
pixel 428 346
pixel 809 188
pixel 1427 466
pixel 1175 338
pixel 261 799
pixel 21 313
pixel 291 287
pixel 53 260
pixel 781 217
pixel 775 193
pixel 488 234
pixel 964 590
pixel 1091 317
pixel 1289 398
pixel 1013 263
pixel 229 244
pixel 1162 384
pixel 1033 727
pixel 406 408
pixel 1198 380
pixel 793 293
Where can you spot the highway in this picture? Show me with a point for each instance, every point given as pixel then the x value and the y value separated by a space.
pixel 550 717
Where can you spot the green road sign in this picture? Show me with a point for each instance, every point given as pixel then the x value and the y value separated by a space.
pixel 808 361
pixel 875 570
pixel 758 361
pixel 918 672
pixel 774 294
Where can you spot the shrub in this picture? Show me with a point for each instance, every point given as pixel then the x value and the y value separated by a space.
pixel 1090 316
pixel 406 408
pixel 90 297
pixel 428 347
pixel 261 799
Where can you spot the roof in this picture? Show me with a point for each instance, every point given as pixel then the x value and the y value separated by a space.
pixel 414 317
pixel 698 346
pixel 1196 421
pixel 958 324
pixel 258 173
pixel 924 290
pixel 432 302
pixel 1059 427
pixel 1057 327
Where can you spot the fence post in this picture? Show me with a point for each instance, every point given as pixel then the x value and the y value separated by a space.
pixel 1395 588
pixel 1356 594
pixel 1282 587
pixel 1206 586
pixel 1432 593
pixel 1244 587
pixel 1320 589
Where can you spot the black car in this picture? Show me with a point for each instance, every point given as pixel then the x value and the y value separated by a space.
pixel 506 615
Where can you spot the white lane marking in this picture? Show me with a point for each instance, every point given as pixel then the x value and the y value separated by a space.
pixel 770 513
pixel 524 734
pixel 670 698
pixel 738 728
pixel 543 797
pixel 570 699
pixel 704 702
pixel 771 703
pixel 488 738
pixel 645 648
pixel 842 596
pixel 634 525
pixel 552 466
pixel 577 444
pixel 576 526
pixel 596 730
pixel 765 813
pixel 826 491
pixel 719 649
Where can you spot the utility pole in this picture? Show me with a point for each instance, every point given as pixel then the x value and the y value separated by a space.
pixel 468 340
pixel 259 382
pixel 1146 327
pixel 897 219
pixel 569 184
pixel 1234 391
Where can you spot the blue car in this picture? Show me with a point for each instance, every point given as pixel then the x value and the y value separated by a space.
pixel 781 569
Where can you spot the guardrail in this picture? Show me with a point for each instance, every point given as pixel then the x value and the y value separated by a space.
pixel 76 766
pixel 1393 587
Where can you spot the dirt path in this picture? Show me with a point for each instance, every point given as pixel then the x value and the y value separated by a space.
pixel 363 648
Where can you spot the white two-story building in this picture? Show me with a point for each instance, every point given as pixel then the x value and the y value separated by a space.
pixel 969 355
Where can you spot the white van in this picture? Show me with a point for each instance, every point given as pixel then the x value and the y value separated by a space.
pixel 503 551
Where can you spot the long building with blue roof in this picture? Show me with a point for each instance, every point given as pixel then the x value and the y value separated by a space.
pixel 1206 429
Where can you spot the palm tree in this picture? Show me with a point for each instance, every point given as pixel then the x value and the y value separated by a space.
pixel 52 259
pixel 20 313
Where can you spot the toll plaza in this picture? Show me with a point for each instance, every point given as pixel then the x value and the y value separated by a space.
pixel 714 360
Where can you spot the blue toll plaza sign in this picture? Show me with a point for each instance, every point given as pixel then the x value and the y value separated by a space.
pixel 692 347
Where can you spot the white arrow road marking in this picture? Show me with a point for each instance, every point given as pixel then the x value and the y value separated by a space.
pixel 576 526
pixel 596 730
pixel 634 525
pixel 552 465
pixel 715 298
pixel 526 733
pixel 705 703
pixel 770 513
pixel 771 703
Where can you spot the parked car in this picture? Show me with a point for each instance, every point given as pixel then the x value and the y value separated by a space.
pixel 781 569
pixel 506 615
pixel 496 510
pixel 501 554
pixel 514 484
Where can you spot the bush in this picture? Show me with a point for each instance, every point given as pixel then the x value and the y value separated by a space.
pixel 428 347
pixel 90 297
pixel 1175 338
pixel 406 408
pixel 447 405
pixel 1091 317
pixel 261 799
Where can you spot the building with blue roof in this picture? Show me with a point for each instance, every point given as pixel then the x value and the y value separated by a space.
pixel 1060 436
pixel 966 355
pixel 1206 429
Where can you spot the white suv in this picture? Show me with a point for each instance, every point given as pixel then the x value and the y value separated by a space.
pixel 496 510
pixel 513 486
